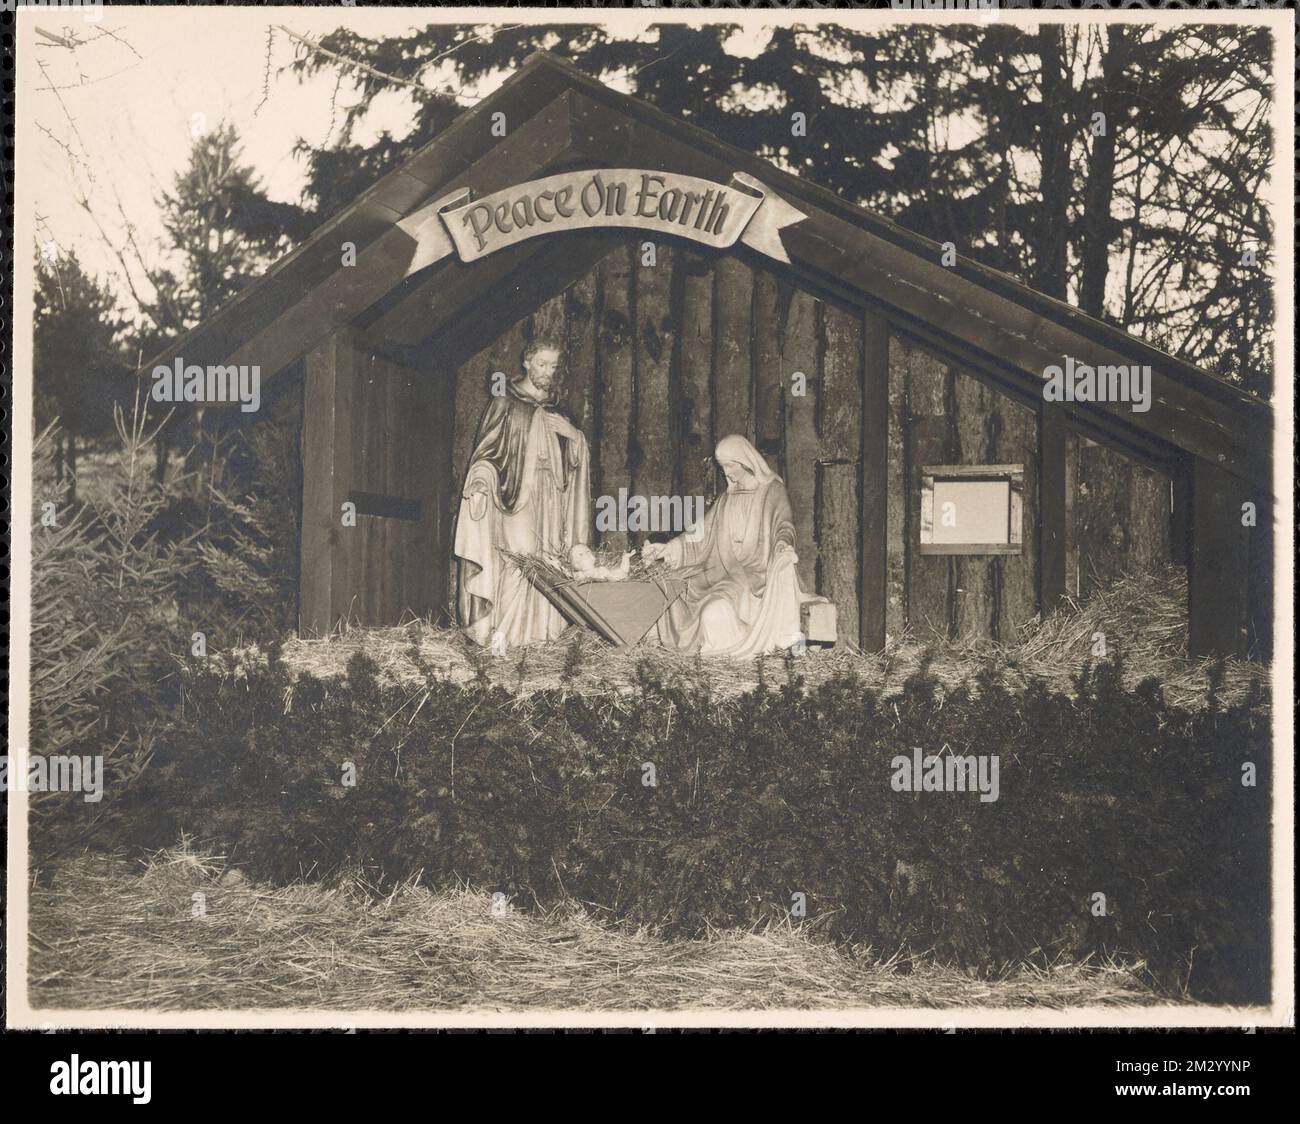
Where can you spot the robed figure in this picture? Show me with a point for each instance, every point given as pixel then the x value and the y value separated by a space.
pixel 743 598
pixel 528 491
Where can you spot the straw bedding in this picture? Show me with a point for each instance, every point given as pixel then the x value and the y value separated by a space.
pixel 107 933
pixel 1142 617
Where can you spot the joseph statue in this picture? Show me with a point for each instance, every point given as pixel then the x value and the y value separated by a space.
pixel 527 490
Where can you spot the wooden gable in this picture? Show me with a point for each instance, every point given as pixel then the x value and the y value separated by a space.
pixel 1209 441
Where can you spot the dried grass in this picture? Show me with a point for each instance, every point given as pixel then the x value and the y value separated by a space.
pixel 555 569
pixel 107 933
pixel 1142 616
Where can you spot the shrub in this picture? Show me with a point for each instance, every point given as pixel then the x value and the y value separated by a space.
pixel 103 625
pixel 123 577
pixel 784 791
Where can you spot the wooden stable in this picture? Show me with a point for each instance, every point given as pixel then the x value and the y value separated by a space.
pixel 906 364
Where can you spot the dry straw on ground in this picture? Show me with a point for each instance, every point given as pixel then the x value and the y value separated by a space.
pixel 107 933
pixel 1142 617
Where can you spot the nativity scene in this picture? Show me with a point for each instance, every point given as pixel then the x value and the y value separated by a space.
pixel 727 587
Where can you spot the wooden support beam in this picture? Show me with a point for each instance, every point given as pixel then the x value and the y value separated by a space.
pixel 1218 565
pixel 1180 513
pixel 874 485
pixel 1051 507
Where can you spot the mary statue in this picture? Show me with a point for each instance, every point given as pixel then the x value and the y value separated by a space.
pixel 742 596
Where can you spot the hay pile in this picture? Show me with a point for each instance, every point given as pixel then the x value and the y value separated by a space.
pixel 107 933
pixel 1142 616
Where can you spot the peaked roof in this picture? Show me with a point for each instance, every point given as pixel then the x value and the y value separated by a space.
pixel 559 117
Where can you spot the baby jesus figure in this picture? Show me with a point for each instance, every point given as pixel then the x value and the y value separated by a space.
pixel 584 566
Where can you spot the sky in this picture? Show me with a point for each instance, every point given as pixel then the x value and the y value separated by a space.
pixel 116 115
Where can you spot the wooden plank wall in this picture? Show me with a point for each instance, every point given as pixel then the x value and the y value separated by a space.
pixel 663 360
pixel 942 415
pixel 1117 516
pixel 371 426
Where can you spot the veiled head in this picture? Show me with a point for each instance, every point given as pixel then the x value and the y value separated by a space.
pixel 742 464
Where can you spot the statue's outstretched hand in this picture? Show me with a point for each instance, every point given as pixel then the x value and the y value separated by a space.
pixel 653 551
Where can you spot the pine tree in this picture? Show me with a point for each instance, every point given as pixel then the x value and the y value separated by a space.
pixel 77 364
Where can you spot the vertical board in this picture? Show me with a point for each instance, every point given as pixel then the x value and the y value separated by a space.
pixel 1102 515
pixel 616 359
pixel 368 476
pixel 325 463
pixel 839 405
pixel 732 338
pixel 1260 593
pixel 898 513
pixel 347 547
pixel 1053 534
pixel 838 512
pixel 651 446
pixel 1150 510
pixel 695 376
pixel 580 353
pixel 404 562
pixel 1073 574
pixel 873 485
pixel 770 307
pixel 1119 516
pixel 1180 513
pixel 973 424
pixel 798 355
pixel 839 504
pixel 433 483
pixel 1016 442
pixel 930 577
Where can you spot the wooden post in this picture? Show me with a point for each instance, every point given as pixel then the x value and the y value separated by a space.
pixel 1180 514
pixel 875 468
pixel 1051 507
pixel 1218 564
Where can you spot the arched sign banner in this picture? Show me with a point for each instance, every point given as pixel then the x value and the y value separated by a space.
pixel 713 214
